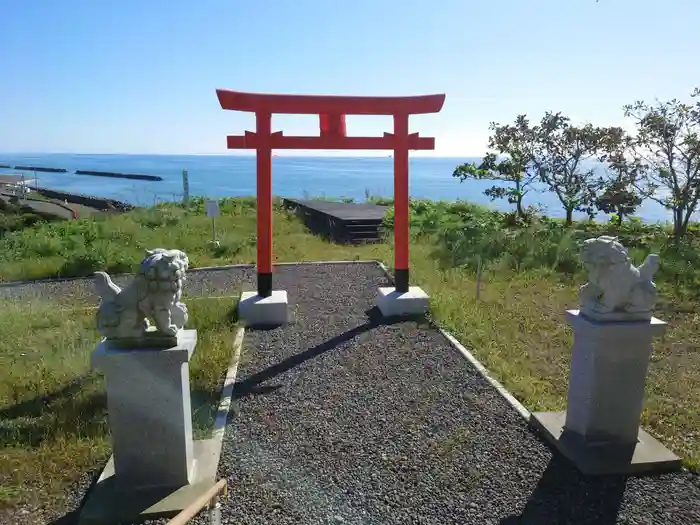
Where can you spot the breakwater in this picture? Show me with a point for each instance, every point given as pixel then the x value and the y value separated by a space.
pixel 115 175
pixel 41 168
pixel 94 173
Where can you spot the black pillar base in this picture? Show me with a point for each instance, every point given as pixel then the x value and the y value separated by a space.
pixel 401 278
pixel 264 284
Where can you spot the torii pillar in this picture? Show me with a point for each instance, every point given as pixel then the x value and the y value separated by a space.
pixel 269 306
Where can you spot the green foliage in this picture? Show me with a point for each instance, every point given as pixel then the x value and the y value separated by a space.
pixel 563 154
pixel 381 201
pixel 466 235
pixel 667 145
pixel 617 193
pixel 116 242
pixel 14 216
pixel 558 154
pixel 618 200
pixel 53 409
pixel 661 162
pixel 517 143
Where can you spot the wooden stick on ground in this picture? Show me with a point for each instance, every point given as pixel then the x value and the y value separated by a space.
pixel 205 499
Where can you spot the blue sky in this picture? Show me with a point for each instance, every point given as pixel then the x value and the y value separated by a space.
pixel 139 76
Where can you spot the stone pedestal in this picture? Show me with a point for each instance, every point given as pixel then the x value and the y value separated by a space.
pixel 254 310
pixel 156 468
pixel 392 303
pixel 599 431
pixel 150 416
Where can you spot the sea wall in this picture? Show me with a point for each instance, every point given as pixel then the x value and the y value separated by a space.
pixel 67 208
pixel 116 175
pixel 98 203
pixel 41 168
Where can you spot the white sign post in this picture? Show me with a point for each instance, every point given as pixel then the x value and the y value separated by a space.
pixel 213 212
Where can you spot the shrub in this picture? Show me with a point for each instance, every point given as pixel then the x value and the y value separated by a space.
pixel 83 263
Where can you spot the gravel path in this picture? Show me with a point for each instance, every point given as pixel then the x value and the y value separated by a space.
pixel 341 419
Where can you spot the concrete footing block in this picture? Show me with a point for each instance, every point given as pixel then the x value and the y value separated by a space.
pixel 254 310
pixel 392 303
pixel 111 503
pixel 646 455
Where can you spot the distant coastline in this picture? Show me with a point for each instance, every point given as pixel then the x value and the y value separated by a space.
pixel 229 175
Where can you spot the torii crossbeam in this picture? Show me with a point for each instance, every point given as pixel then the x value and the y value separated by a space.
pixel 332 111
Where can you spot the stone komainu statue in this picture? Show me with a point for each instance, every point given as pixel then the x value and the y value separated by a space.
pixel 616 289
pixel 154 293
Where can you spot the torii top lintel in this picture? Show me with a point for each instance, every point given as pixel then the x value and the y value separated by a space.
pixel 329 104
pixel 331 110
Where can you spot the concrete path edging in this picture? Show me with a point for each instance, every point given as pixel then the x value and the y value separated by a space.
pixel 224 406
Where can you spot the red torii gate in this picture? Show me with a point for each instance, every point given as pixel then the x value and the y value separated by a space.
pixel 331 111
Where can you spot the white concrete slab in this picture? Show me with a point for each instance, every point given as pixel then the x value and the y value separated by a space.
pixel 254 310
pixel 392 303
pixel 109 502
pixel 645 455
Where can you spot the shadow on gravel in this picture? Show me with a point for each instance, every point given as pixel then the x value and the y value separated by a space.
pixel 68 519
pixel 565 496
pixel 72 516
pixel 252 385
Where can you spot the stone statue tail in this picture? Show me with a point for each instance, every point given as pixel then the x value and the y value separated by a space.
pixel 104 287
pixel 649 267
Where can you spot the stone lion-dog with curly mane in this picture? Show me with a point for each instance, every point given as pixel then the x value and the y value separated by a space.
pixel 616 289
pixel 154 293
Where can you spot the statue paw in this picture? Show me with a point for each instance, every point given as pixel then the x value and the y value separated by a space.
pixel 171 330
pixel 605 308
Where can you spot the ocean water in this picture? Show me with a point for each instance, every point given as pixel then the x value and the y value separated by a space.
pixel 232 175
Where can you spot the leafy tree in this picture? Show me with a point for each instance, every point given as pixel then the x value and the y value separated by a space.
pixel 564 155
pixel 515 142
pixel 619 196
pixel 618 199
pixel 667 145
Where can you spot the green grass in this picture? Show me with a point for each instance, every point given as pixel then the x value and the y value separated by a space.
pixel 15 216
pixel 517 329
pixel 116 243
pixel 53 416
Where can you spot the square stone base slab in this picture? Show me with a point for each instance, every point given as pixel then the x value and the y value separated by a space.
pixel 106 504
pixel 254 310
pixel 152 339
pixel 647 456
pixel 392 303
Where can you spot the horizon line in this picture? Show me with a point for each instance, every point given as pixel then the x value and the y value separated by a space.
pixel 10 153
